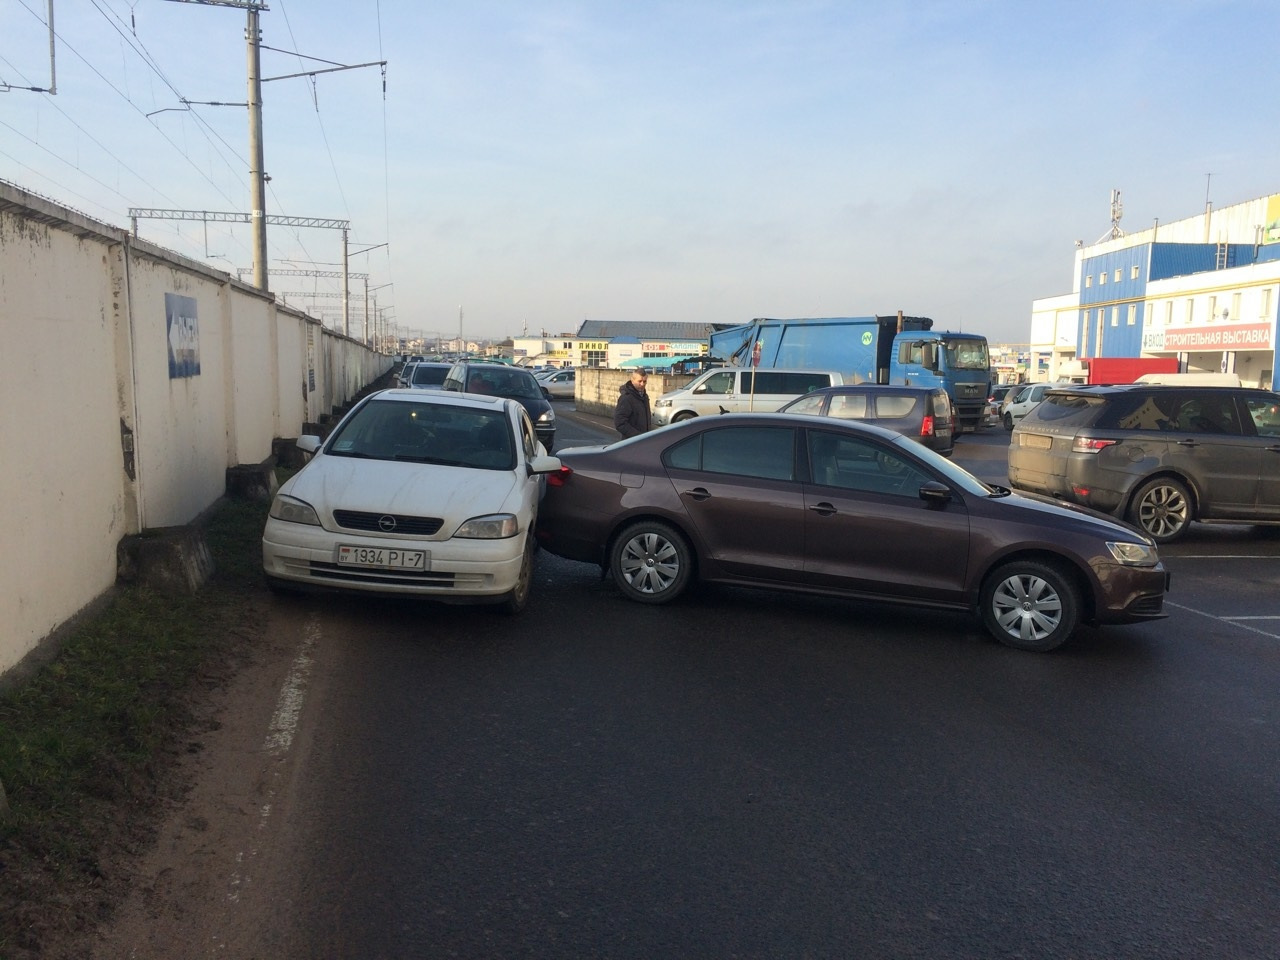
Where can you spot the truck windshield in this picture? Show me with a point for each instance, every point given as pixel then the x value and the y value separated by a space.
pixel 967 354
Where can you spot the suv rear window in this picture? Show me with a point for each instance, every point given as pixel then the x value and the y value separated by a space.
pixel 1064 410
pixel 429 376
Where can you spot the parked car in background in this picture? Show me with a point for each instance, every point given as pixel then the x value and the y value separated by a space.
pixel 560 383
pixel 1160 457
pixel 922 413
pixel 1018 402
pixel 841 507
pixel 500 380
pixel 428 375
pixel 739 390
pixel 414 492
pixel 991 416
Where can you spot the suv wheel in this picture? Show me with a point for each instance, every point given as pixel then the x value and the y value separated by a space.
pixel 1008 421
pixel 1030 605
pixel 1162 509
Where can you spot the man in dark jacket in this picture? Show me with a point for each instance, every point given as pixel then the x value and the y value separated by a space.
pixel 631 416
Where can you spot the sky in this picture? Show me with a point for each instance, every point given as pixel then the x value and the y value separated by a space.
pixel 523 165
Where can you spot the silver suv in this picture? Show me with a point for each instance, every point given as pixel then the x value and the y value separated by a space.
pixel 1157 456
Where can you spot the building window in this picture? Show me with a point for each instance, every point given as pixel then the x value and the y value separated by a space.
pixel 1102 278
pixel 1088 281
pixel 1235 305
pixel 1168 312
pixel 1266 303
pixel 1115 315
pixel 1191 311
pixel 1117 276
pixel 1134 272
pixel 1213 308
pixel 1133 314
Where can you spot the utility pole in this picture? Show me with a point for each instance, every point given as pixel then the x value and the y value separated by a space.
pixel 257 175
pixel 257 180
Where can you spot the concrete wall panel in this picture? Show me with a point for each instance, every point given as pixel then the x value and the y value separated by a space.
pixel 182 421
pixel 62 481
pixel 101 439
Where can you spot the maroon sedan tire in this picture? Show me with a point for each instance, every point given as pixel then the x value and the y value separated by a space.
pixel 1030 605
pixel 651 562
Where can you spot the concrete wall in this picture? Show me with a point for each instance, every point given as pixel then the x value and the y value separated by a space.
pixel 100 441
pixel 596 388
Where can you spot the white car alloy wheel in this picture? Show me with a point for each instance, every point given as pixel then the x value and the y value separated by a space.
pixel 515 601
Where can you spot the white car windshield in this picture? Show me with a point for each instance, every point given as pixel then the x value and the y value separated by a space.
pixel 427 433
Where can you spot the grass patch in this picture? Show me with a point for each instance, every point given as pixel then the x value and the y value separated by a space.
pixel 85 741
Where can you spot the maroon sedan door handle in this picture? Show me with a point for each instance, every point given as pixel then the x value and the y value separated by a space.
pixel 823 508
pixel 698 493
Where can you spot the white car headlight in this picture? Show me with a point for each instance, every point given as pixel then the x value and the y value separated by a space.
pixel 496 526
pixel 662 403
pixel 1134 554
pixel 548 417
pixel 293 511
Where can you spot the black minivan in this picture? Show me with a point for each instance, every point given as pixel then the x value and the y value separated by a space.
pixel 922 413
pixel 1157 456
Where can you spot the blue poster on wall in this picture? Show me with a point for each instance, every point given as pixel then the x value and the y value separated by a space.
pixel 184 336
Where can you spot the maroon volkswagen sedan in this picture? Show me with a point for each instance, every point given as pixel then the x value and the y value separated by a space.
pixel 843 508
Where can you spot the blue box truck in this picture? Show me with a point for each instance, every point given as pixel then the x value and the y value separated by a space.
pixel 878 349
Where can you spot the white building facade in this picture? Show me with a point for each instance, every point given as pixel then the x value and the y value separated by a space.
pixel 1204 290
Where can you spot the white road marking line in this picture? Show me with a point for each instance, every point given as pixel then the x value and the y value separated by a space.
pixel 1232 621
pixel 280 733
pixel 284 722
pixel 1220 556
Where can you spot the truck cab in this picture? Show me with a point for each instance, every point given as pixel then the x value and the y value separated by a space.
pixel 958 363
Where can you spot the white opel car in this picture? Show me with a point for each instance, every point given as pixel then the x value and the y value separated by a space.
pixel 415 492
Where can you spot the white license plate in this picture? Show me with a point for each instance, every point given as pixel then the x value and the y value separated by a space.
pixel 349 556
pixel 1035 441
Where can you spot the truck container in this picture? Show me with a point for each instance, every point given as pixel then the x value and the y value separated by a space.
pixel 1126 369
pixel 877 349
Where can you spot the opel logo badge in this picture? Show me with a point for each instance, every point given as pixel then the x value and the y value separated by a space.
pixel 386 524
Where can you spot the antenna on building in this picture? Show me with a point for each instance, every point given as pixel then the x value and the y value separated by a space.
pixel 1117 211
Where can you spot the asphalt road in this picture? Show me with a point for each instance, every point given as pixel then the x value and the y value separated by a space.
pixel 744 774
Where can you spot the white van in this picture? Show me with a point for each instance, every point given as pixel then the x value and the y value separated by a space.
pixel 739 390
pixel 1191 379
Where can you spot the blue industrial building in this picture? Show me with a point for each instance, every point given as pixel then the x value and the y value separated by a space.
pixel 1205 290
